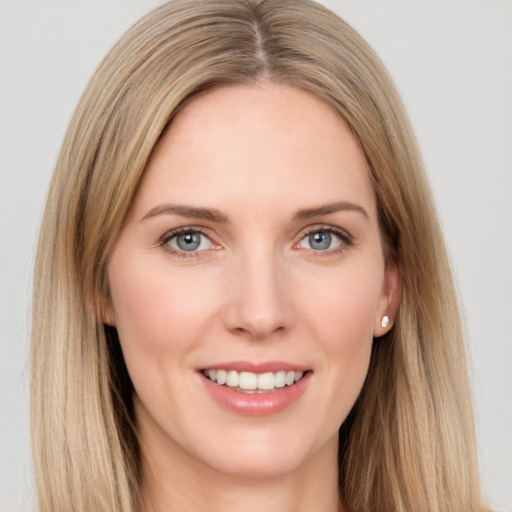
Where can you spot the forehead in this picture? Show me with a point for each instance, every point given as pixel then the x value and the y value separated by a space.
pixel 262 144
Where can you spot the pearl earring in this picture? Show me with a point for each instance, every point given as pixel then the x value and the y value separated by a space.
pixel 385 321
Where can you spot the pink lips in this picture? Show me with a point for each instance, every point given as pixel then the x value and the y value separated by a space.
pixel 256 404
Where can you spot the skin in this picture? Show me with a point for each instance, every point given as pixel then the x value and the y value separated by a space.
pixel 255 290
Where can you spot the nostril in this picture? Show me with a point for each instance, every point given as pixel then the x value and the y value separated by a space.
pixel 258 331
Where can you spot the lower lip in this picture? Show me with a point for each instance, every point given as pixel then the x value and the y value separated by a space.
pixel 256 404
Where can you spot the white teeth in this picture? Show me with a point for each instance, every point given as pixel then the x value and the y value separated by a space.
pixel 221 377
pixel 254 381
pixel 232 380
pixel 280 379
pixel 248 380
pixel 266 381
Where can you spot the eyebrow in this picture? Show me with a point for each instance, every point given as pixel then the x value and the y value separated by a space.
pixel 192 212
pixel 214 215
pixel 309 213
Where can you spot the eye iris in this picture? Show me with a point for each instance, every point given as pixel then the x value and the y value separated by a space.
pixel 321 240
pixel 188 241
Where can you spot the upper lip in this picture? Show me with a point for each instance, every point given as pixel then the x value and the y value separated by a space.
pixel 257 367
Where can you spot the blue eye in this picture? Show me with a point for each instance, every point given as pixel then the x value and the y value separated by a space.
pixel 322 240
pixel 189 241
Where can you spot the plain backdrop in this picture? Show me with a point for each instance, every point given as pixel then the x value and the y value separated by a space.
pixel 452 62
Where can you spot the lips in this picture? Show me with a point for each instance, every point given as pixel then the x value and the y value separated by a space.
pixel 255 389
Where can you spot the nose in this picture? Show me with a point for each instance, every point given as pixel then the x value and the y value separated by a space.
pixel 259 303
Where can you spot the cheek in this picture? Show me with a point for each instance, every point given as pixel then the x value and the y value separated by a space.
pixel 342 306
pixel 157 312
pixel 161 318
pixel 341 316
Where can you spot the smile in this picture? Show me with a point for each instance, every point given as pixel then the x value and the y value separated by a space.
pixel 249 382
pixel 252 389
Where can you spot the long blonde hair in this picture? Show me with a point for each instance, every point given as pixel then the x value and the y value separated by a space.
pixel 408 444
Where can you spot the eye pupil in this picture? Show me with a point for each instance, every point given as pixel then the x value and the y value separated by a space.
pixel 321 240
pixel 188 241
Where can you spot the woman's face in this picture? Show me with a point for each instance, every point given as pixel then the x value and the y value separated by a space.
pixel 252 253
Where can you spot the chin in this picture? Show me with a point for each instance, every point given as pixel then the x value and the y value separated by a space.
pixel 260 466
pixel 263 453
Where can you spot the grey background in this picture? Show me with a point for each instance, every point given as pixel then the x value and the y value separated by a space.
pixel 452 62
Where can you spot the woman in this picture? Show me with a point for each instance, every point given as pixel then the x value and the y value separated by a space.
pixel 242 297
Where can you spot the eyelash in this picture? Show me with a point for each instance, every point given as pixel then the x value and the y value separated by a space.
pixel 346 240
pixel 164 241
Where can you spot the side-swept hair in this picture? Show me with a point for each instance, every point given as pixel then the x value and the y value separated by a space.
pixel 408 444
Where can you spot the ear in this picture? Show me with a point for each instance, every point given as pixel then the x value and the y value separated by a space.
pixel 388 303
